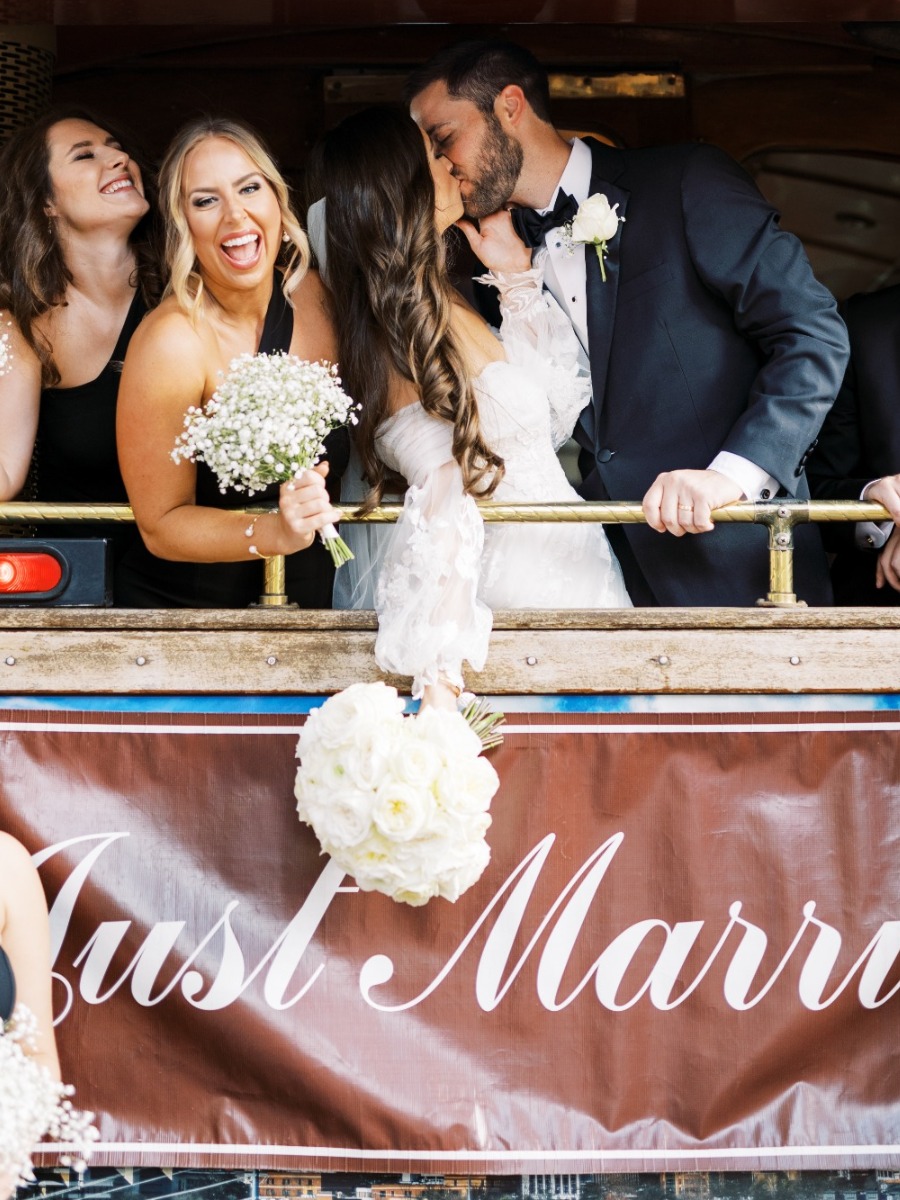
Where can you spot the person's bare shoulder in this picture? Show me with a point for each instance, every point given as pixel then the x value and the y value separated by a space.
pixel 167 327
pixel 13 855
pixel 315 336
pixel 166 352
pixel 312 286
pixel 15 352
pixel 17 872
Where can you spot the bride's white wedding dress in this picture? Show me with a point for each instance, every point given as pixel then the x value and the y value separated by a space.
pixel 442 569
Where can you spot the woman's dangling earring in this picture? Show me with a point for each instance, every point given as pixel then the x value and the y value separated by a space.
pixel 285 237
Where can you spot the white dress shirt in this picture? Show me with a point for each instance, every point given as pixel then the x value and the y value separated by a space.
pixel 565 278
pixel 564 270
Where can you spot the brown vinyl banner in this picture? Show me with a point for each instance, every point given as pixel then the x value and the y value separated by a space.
pixel 684 955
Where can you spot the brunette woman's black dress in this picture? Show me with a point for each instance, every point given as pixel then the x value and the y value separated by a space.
pixel 7 987
pixel 76 460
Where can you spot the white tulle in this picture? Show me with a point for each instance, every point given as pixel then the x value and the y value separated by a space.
pixel 441 569
pixel 354 583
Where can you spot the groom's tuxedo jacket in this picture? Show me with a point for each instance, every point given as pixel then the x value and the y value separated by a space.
pixel 710 333
pixel 860 440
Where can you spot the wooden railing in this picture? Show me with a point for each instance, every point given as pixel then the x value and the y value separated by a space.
pixel 779 516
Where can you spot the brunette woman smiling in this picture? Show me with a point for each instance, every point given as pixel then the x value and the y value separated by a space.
pixel 77 272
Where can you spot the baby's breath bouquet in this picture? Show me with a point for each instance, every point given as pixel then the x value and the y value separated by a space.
pixel 267 422
pixel 6 355
pixel 34 1105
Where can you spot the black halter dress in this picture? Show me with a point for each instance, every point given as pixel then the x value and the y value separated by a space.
pixel 75 458
pixel 7 987
pixel 309 575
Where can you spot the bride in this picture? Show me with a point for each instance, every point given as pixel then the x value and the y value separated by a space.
pixel 458 413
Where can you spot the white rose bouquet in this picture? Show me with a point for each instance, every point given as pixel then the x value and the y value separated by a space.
pixel 33 1105
pixel 594 224
pixel 266 423
pixel 401 803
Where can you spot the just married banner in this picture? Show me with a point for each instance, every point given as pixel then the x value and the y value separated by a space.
pixel 684 955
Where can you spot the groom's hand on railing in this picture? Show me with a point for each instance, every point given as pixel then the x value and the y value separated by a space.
pixel 680 502
pixel 887 571
pixel 885 491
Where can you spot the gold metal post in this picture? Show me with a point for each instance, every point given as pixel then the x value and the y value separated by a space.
pixel 781 557
pixel 273 585
pixel 274 593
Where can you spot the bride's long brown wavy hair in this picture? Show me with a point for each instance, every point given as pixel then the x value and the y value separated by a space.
pixel 385 268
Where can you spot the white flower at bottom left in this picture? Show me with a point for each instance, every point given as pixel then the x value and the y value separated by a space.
pixel 34 1105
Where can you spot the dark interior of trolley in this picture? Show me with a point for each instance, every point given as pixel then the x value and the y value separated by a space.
pixel 810 106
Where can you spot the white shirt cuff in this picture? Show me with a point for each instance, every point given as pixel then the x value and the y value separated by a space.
pixel 871 535
pixel 753 481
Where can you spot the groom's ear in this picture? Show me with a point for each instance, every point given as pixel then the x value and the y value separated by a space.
pixel 511 106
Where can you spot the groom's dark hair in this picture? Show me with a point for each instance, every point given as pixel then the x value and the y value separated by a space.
pixel 479 71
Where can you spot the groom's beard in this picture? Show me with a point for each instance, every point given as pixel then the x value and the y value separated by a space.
pixel 495 173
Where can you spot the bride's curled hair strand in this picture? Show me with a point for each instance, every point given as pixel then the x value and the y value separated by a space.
pixel 386 267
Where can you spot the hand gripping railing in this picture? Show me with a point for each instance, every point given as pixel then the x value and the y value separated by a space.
pixel 780 516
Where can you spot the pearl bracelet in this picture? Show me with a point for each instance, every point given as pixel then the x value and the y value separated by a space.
pixel 248 532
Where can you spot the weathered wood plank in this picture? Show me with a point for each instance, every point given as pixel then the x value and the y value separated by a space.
pixel 613 660
pixel 693 660
pixel 287 618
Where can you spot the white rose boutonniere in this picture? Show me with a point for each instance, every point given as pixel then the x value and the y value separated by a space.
pixel 594 224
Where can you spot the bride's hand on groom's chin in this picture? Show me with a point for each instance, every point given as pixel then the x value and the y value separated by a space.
pixel 496 243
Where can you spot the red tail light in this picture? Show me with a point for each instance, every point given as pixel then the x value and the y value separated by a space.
pixel 44 573
pixel 29 572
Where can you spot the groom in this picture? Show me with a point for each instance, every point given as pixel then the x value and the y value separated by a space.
pixel 714 352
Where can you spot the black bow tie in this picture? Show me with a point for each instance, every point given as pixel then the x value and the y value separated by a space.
pixel 532 226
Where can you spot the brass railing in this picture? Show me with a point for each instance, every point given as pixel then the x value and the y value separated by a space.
pixel 780 517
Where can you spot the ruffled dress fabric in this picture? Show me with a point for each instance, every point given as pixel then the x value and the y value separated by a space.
pixel 443 569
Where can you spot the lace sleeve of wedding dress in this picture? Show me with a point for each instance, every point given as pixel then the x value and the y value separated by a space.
pixel 429 616
pixel 537 334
